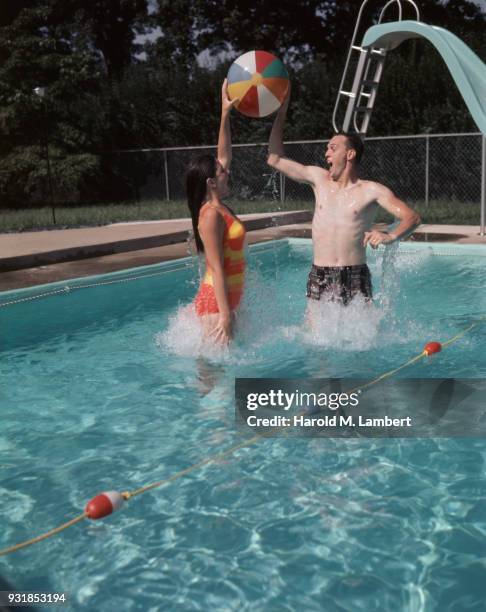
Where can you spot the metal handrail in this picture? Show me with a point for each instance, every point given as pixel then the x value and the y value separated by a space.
pixel 387 5
pixel 356 27
pixel 353 47
pixel 417 11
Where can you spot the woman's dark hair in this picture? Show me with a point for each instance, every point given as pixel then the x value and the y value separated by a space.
pixel 200 169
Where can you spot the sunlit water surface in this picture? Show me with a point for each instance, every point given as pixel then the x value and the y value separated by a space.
pixel 107 388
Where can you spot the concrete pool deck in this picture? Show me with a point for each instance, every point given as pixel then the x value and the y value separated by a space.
pixel 32 258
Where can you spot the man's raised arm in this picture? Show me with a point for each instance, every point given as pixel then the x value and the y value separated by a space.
pixel 276 159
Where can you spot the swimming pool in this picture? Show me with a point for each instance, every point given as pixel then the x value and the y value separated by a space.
pixel 104 390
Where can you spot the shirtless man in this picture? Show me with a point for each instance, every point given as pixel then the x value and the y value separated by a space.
pixel 343 215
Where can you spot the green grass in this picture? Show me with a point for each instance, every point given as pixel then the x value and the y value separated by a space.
pixel 89 216
pixel 447 212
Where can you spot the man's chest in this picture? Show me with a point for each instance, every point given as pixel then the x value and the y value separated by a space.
pixel 343 207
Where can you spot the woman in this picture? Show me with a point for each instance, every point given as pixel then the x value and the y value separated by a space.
pixel 218 233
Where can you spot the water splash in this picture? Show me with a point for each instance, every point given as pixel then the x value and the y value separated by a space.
pixel 271 189
pixel 275 190
pixel 390 279
pixel 184 337
pixel 353 327
pixel 275 316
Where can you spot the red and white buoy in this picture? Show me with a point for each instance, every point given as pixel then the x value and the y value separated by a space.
pixel 432 347
pixel 104 504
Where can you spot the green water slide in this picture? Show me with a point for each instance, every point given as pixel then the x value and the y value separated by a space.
pixel 467 70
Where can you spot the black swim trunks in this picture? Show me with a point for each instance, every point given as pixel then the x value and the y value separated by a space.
pixel 339 284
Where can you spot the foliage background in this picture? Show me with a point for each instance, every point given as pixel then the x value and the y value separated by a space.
pixel 123 74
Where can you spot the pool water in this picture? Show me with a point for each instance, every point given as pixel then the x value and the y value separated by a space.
pixel 104 387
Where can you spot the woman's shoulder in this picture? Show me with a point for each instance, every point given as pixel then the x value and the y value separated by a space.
pixel 208 209
pixel 210 216
pixel 212 211
pixel 215 209
pixel 229 214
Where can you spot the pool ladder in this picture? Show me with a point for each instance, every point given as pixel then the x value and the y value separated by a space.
pixel 367 77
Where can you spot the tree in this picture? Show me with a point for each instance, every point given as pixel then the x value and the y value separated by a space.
pixel 65 46
pixel 313 39
pixel 296 32
pixel 109 26
pixel 102 96
pixel 192 26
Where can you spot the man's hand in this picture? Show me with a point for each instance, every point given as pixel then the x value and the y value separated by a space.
pixel 375 238
pixel 226 103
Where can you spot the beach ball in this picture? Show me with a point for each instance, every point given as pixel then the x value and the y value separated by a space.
pixel 260 81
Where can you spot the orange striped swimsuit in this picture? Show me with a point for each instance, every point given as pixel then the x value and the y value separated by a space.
pixel 233 266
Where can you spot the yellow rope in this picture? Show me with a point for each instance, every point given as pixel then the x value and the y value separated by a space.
pixel 390 373
pixel 44 536
pixel 460 334
pixel 129 494
pixel 196 466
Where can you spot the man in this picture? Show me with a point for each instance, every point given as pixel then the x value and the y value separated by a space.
pixel 344 211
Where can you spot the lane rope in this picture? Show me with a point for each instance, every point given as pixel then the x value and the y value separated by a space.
pixel 108 502
pixel 68 288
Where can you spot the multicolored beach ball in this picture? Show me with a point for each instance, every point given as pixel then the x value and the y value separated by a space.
pixel 260 81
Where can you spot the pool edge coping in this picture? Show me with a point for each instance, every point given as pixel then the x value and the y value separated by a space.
pixel 190 261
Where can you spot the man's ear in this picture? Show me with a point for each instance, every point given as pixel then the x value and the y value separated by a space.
pixel 211 183
pixel 351 154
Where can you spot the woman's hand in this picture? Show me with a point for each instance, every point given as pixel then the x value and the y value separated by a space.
pixel 226 103
pixel 223 332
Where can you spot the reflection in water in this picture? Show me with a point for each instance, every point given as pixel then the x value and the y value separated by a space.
pixel 208 375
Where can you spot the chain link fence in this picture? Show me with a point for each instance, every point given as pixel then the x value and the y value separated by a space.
pixel 419 169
